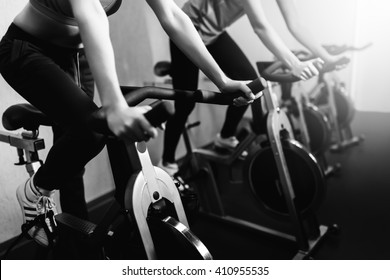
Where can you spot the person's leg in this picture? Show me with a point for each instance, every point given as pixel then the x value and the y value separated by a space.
pixel 236 66
pixel 72 193
pixel 54 93
pixel 184 76
pixel 72 196
pixel 38 73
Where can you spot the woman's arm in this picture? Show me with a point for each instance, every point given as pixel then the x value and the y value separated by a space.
pixel 182 32
pixel 274 43
pixel 94 30
pixel 300 31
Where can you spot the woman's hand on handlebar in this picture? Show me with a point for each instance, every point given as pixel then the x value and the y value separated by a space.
pixel 233 86
pixel 307 69
pixel 129 123
pixel 336 62
pixel 330 62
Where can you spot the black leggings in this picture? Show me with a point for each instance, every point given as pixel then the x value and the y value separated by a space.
pixel 72 196
pixel 184 74
pixel 47 77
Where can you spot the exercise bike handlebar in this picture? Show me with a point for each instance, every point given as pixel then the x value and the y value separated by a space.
pixel 160 112
pixel 339 49
pixel 272 73
pixel 135 95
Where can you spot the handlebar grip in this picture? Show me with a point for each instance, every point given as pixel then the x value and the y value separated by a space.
pixel 256 86
pixel 162 68
pixel 211 97
pixel 160 112
pixel 331 67
pixel 271 74
pixel 284 77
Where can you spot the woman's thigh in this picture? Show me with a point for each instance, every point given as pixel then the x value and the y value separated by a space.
pixel 46 84
pixel 231 58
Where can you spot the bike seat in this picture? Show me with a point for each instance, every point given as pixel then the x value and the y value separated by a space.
pixel 24 116
pixel 162 68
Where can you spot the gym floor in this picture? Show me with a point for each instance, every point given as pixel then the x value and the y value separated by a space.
pixel 357 200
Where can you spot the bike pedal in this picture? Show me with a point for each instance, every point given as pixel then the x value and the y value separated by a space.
pixel 77 224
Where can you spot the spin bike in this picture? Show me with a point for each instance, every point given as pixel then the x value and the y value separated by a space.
pixel 27 144
pixel 313 130
pixel 312 126
pixel 281 178
pixel 330 96
pixel 151 201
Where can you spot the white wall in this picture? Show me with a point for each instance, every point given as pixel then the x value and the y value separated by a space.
pixel 10 217
pixel 371 81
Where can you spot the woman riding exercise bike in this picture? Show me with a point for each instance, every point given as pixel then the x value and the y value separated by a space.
pixel 211 19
